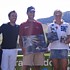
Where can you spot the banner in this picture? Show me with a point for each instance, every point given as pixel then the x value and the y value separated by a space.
pixel 47 63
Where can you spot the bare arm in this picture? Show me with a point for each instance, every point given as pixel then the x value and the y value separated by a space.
pixel 68 39
pixel 21 45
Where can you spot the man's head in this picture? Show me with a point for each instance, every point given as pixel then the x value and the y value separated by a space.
pixel 30 9
pixel 31 12
pixel 12 16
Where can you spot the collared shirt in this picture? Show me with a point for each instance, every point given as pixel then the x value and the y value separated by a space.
pixel 10 34
pixel 62 30
pixel 30 28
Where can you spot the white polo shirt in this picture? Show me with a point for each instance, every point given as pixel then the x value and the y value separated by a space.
pixel 62 30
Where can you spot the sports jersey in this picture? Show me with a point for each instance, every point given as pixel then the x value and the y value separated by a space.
pixel 62 30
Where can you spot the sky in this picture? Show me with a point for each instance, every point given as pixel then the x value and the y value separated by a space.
pixel 44 8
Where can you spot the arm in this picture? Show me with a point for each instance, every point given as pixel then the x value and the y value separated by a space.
pixel 67 40
pixel 1 27
pixel 68 34
pixel 20 39
pixel 21 45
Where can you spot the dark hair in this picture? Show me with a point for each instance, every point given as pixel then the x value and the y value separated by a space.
pixel 11 12
pixel 31 8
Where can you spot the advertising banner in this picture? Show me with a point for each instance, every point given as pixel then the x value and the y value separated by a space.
pixel 47 63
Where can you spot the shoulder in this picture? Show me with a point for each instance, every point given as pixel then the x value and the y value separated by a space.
pixel 51 24
pixel 37 22
pixel 4 25
pixel 66 24
pixel 23 23
pixel 17 26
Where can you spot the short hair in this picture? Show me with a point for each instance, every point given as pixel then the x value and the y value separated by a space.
pixel 11 12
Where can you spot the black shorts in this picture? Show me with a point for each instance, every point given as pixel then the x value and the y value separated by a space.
pixel 0 56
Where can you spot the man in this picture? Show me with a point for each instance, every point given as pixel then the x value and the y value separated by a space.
pixel 59 47
pixel 29 28
pixel 9 42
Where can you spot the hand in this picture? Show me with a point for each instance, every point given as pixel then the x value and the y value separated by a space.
pixel 23 51
pixel 67 41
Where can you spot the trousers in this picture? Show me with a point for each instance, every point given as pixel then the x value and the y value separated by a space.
pixel 9 59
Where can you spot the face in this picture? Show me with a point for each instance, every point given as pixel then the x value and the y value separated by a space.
pixel 31 14
pixel 58 16
pixel 13 17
